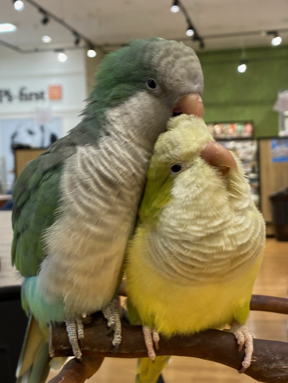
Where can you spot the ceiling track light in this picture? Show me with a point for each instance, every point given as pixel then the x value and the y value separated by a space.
pixel 77 38
pixel 91 52
pixel 190 30
pixel 196 37
pixel 175 6
pixel 201 44
pixel 276 40
pixel 242 66
pixel 45 19
pixel 18 5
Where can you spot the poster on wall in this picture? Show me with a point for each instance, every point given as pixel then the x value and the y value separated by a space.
pixel 25 133
pixel 279 150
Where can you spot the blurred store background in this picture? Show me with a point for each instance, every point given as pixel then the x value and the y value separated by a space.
pixel 49 52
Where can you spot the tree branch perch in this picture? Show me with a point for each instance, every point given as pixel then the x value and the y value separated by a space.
pixel 269 363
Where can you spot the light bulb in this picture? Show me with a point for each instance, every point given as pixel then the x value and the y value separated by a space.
pixel 7 27
pixel 276 40
pixel 46 39
pixel 91 53
pixel 190 32
pixel 242 68
pixel 18 5
pixel 174 8
pixel 62 57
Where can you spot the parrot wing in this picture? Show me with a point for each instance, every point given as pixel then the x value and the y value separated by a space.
pixel 34 356
pixel 36 196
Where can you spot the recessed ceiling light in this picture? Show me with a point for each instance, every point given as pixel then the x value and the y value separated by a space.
pixel 18 5
pixel 7 27
pixel 46 39
pixel 62 57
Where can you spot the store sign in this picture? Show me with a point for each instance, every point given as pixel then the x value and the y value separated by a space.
pixel 23 95
pixel 55 92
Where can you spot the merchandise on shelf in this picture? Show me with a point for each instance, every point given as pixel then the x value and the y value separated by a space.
pixel 246 150
pixel 231 130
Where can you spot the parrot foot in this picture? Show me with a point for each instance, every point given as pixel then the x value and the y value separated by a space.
pixel 112 314
pixel 244 337
pixel 75 330
pixel 149 338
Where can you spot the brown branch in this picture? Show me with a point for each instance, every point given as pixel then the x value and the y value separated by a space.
pixel 269 359
pixel 77 372
pixel 270 304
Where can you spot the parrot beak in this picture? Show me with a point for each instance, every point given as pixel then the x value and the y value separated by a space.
pixel 189 104
pixel 216 155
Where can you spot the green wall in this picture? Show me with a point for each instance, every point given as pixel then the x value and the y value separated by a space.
pixel 231 96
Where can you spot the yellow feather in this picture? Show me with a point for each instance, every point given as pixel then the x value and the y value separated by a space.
pixel 195 268
pixel 179 309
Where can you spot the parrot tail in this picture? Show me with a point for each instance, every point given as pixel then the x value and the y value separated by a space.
pixel 147 371
pixel 33 365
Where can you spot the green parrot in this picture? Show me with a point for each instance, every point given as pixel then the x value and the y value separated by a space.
pixel 75 206
pixel 193 260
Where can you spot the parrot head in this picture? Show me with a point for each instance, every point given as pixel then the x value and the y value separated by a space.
pixel 147 82
pixel 190 169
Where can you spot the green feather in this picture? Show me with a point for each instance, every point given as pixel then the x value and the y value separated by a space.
pixel 157 192
pixel 33 214
pixel 42 310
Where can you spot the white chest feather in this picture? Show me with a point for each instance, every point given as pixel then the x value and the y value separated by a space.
pixel 101 190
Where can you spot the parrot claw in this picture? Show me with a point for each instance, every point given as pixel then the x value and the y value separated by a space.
pixel 156 339
pixel 111 313
pixel 244 337
pixel 115 349
pixel 149 339
pixel 75 330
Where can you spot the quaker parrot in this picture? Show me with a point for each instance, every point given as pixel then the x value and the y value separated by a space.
pixel 75 206
pixel 193 260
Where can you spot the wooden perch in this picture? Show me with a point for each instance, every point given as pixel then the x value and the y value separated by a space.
pixel 269 363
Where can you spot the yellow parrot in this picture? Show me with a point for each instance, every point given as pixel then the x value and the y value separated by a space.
pixel 193 260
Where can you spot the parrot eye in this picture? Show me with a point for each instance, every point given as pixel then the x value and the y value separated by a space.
pixel 151 84
pixel 176 168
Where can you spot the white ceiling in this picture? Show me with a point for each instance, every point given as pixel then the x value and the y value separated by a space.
pixel 118 21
